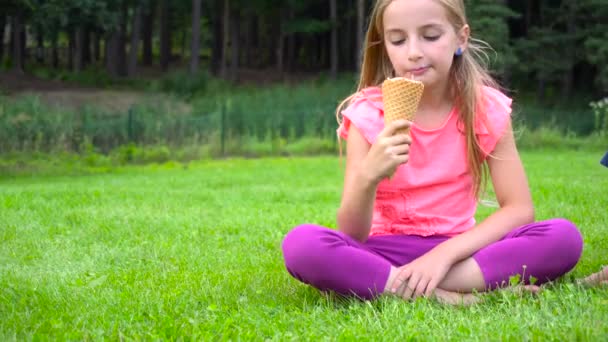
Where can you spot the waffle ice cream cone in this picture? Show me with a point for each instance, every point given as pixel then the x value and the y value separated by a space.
pixel 400 97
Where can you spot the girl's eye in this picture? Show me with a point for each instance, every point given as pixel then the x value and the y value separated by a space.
pixel 398 42
pixel 431 38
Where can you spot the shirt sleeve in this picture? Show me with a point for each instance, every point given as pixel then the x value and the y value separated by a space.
pixel 365 112
pixel 493 117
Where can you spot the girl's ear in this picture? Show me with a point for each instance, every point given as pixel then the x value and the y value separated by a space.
pixel 463 37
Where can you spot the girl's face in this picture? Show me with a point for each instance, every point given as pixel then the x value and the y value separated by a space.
pixel 420 40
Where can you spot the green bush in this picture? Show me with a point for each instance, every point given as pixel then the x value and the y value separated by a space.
pixel 550 137
pixel 130 153
pixel 312 146
pixel 600 115
pixel 183 83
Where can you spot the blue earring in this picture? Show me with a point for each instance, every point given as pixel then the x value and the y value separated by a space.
pixel 458 52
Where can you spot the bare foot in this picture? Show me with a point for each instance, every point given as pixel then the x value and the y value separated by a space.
pixel 455 298
pixel 520 289
pixel 468 299
pixel 595 279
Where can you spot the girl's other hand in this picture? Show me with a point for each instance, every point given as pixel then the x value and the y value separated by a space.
pixel 421 276
pixel 389 151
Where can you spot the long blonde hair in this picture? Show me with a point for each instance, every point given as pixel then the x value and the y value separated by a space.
pixel 467 76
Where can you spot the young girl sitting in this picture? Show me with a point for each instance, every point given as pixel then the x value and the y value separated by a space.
pixel 406 221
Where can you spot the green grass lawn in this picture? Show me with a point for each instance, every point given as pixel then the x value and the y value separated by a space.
pixel 176 252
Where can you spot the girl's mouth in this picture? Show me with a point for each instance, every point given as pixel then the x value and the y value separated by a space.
pixel 419 71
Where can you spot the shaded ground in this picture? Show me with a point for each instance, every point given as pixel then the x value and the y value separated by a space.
pixel 74 96
pixel 68 95
pixel 15 83
pixel 111 100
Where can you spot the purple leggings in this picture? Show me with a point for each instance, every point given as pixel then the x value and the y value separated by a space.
pixel 331 260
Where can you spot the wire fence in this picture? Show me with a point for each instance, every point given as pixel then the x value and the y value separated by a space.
pixel 228 125
pixel 33 129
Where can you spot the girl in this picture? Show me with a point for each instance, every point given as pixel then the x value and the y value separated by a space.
pixel 406 221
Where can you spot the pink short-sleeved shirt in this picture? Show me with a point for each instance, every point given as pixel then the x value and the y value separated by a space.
pixel 432 193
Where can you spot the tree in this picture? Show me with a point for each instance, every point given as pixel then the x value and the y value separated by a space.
pixel 594 31
pixel 17 11
pixel 2 27
pixel 165 34
pixel 234 43
pixel 135 37
pixel 280 47
pixel 147 32
pixel 18 43
pixel 360 33
pixel 561 43
pixel 334 38
pixel 488 20
pixel 196 35
pixel 225 40
pixel 217 40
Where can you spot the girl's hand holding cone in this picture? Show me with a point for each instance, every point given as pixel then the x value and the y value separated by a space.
pixel 400 97
pixel 388 152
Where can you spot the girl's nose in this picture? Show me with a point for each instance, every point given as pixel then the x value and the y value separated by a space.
pixel 413 50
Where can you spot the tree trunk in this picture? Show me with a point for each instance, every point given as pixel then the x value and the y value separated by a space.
pixel 39 46
pixel 217 42
pixel 334 39
pixel 71 48
pixel 528 16
pixel 87 56
pixel 246 55
pixel 255 41
pixel 135 36
pixel 147 32
pixel 360 34
pixel 196 36
pixel 568 76
pixel 112 44
pixel 226 34
pixel 2 29
pixel 17 45
pixel 346 37
pixel 165 35
pixel 182 52
pixel 506 72
pixel 55 50
pixel 234 44
pixel 541 90
pixel 280 41
pixel 96 54
pixel 78 48
pixel 291 42
pixel 122 42
pixel 324 58
pixel 24 51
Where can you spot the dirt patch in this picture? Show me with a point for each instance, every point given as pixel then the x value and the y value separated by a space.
pixel 114 101
pixel 74 96
pixel 111 101
pixel 70 96
pixel 14 83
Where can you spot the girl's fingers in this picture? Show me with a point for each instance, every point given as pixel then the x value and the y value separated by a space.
pixel 401 149
pixel 399 281
pixel 411 286
pixel 430 288
pixel 400 139
pixel 393 127
pixel 421 287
